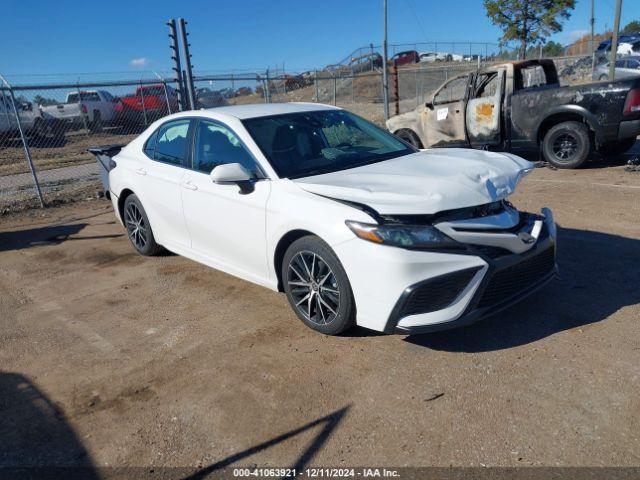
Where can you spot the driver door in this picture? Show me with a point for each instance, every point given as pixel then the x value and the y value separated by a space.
pixel 227 225
pixel 444 116
pixel 484 111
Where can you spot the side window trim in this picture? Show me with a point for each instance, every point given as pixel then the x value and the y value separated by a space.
pixel 196 126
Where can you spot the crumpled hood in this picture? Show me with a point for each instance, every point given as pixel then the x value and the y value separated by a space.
pixel 425 182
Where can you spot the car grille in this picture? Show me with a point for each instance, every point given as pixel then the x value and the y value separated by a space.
pixel 512 280
pixel 438 293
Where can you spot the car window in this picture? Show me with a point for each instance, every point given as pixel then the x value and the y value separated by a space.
pixel 532 77
pixel 486 85
pixel 171 142
pixel 633 64
pixel 620 63
pixel 216 145
pixel 316 142
pixel 452 91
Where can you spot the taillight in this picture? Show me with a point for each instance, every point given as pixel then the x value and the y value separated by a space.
pixel 112 164
pixel 118 107
pixel 84 108
pixel 632 103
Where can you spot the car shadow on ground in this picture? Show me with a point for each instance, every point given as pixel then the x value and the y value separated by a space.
pixel 598 276
pixel 328 423
pixel 37 441
pixel 50 235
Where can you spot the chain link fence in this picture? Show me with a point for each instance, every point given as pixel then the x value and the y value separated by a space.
pixel 46 129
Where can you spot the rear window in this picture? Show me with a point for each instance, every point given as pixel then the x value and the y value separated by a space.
pixel 85 96
pixel 531 77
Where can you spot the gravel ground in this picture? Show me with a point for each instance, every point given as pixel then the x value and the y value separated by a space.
pixel 112 359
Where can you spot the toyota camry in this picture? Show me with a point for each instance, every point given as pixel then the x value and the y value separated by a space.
pixel 354 225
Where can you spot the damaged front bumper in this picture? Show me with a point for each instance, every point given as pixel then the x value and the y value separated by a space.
pixel 447 290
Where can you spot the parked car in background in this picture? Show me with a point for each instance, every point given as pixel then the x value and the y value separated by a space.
pixel 85 109
pixel 30 115
pixel 432 57
pixel 352 224
pixel 520 106
pixel 605 46
pixel 207 98
pixel 628 67
pixel 366 63
pixel 148 103
pixel 405 58
pixel 243 92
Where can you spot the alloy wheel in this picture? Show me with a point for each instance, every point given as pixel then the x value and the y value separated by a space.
pixel 565 146
pixel 136 227
pixel 314 287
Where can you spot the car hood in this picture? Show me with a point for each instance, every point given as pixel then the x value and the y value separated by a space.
pixel 425 182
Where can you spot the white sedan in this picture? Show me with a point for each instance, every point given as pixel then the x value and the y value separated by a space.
pixel 353 224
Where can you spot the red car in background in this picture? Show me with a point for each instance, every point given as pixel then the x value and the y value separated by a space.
pixel 148 103
pixel 405 58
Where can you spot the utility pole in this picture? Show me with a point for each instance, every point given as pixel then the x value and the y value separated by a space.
pixel 187 64
pixel 385 80
pixel 592 43
pixel 614 42
pixel 175 56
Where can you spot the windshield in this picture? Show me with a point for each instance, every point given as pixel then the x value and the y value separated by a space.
pixel 312 143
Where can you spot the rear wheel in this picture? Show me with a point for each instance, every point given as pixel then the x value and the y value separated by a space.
pixel 410 137
pixel 138 227
pixel 567 145
pixel 317 286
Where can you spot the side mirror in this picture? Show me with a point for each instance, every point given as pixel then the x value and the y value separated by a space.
pixel 429 105
pixel 233 173
pixel 26 106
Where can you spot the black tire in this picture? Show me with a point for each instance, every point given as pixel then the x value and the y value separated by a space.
pixel 603 78
pixel 308 266
pixel 410 137
pixel 617 148
pixel 142 239
pixel 96 125
pixel 567 145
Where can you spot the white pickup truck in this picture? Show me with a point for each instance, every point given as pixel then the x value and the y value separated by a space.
pixel 88 108
pixel 31 119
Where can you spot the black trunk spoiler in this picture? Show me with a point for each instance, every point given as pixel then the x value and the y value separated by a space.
pixel 104 155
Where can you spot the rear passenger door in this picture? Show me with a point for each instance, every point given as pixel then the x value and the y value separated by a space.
pixel 227 225
pixel 157 176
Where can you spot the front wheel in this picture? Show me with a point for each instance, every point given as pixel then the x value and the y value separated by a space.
pixel 410 137
pixel 567 145
pixel 138 227
pixel 317 286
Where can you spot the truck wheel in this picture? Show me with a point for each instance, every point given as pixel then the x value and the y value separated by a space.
pixel 567 145
pixel 603 78
pixel 617 148
pixel 96 125
pixel 410 137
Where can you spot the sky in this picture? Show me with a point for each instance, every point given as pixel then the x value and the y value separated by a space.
pixel 43 38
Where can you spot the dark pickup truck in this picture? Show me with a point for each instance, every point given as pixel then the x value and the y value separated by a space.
pixel 520 106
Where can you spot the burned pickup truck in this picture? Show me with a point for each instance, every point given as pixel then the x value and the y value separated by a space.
pixel 520 106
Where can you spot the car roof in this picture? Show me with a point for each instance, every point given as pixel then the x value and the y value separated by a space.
pixel 267 109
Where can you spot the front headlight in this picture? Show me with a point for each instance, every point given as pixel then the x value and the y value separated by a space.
pixel 405 236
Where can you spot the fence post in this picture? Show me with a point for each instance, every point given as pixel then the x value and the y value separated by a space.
pixel 353 89
pixel 268 89
pixel 25 144
pixel 315 81
pixel 335 88
pixel 166 92
pixel 82 112
pixel 396 86
pixel 144 109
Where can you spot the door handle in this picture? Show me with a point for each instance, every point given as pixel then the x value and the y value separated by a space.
pixel 141 171
pixel 189 186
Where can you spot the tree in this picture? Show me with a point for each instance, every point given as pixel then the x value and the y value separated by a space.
pixel 631 27
pixel 528 21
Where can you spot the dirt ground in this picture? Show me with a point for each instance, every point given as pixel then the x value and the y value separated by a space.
pixel 112 359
